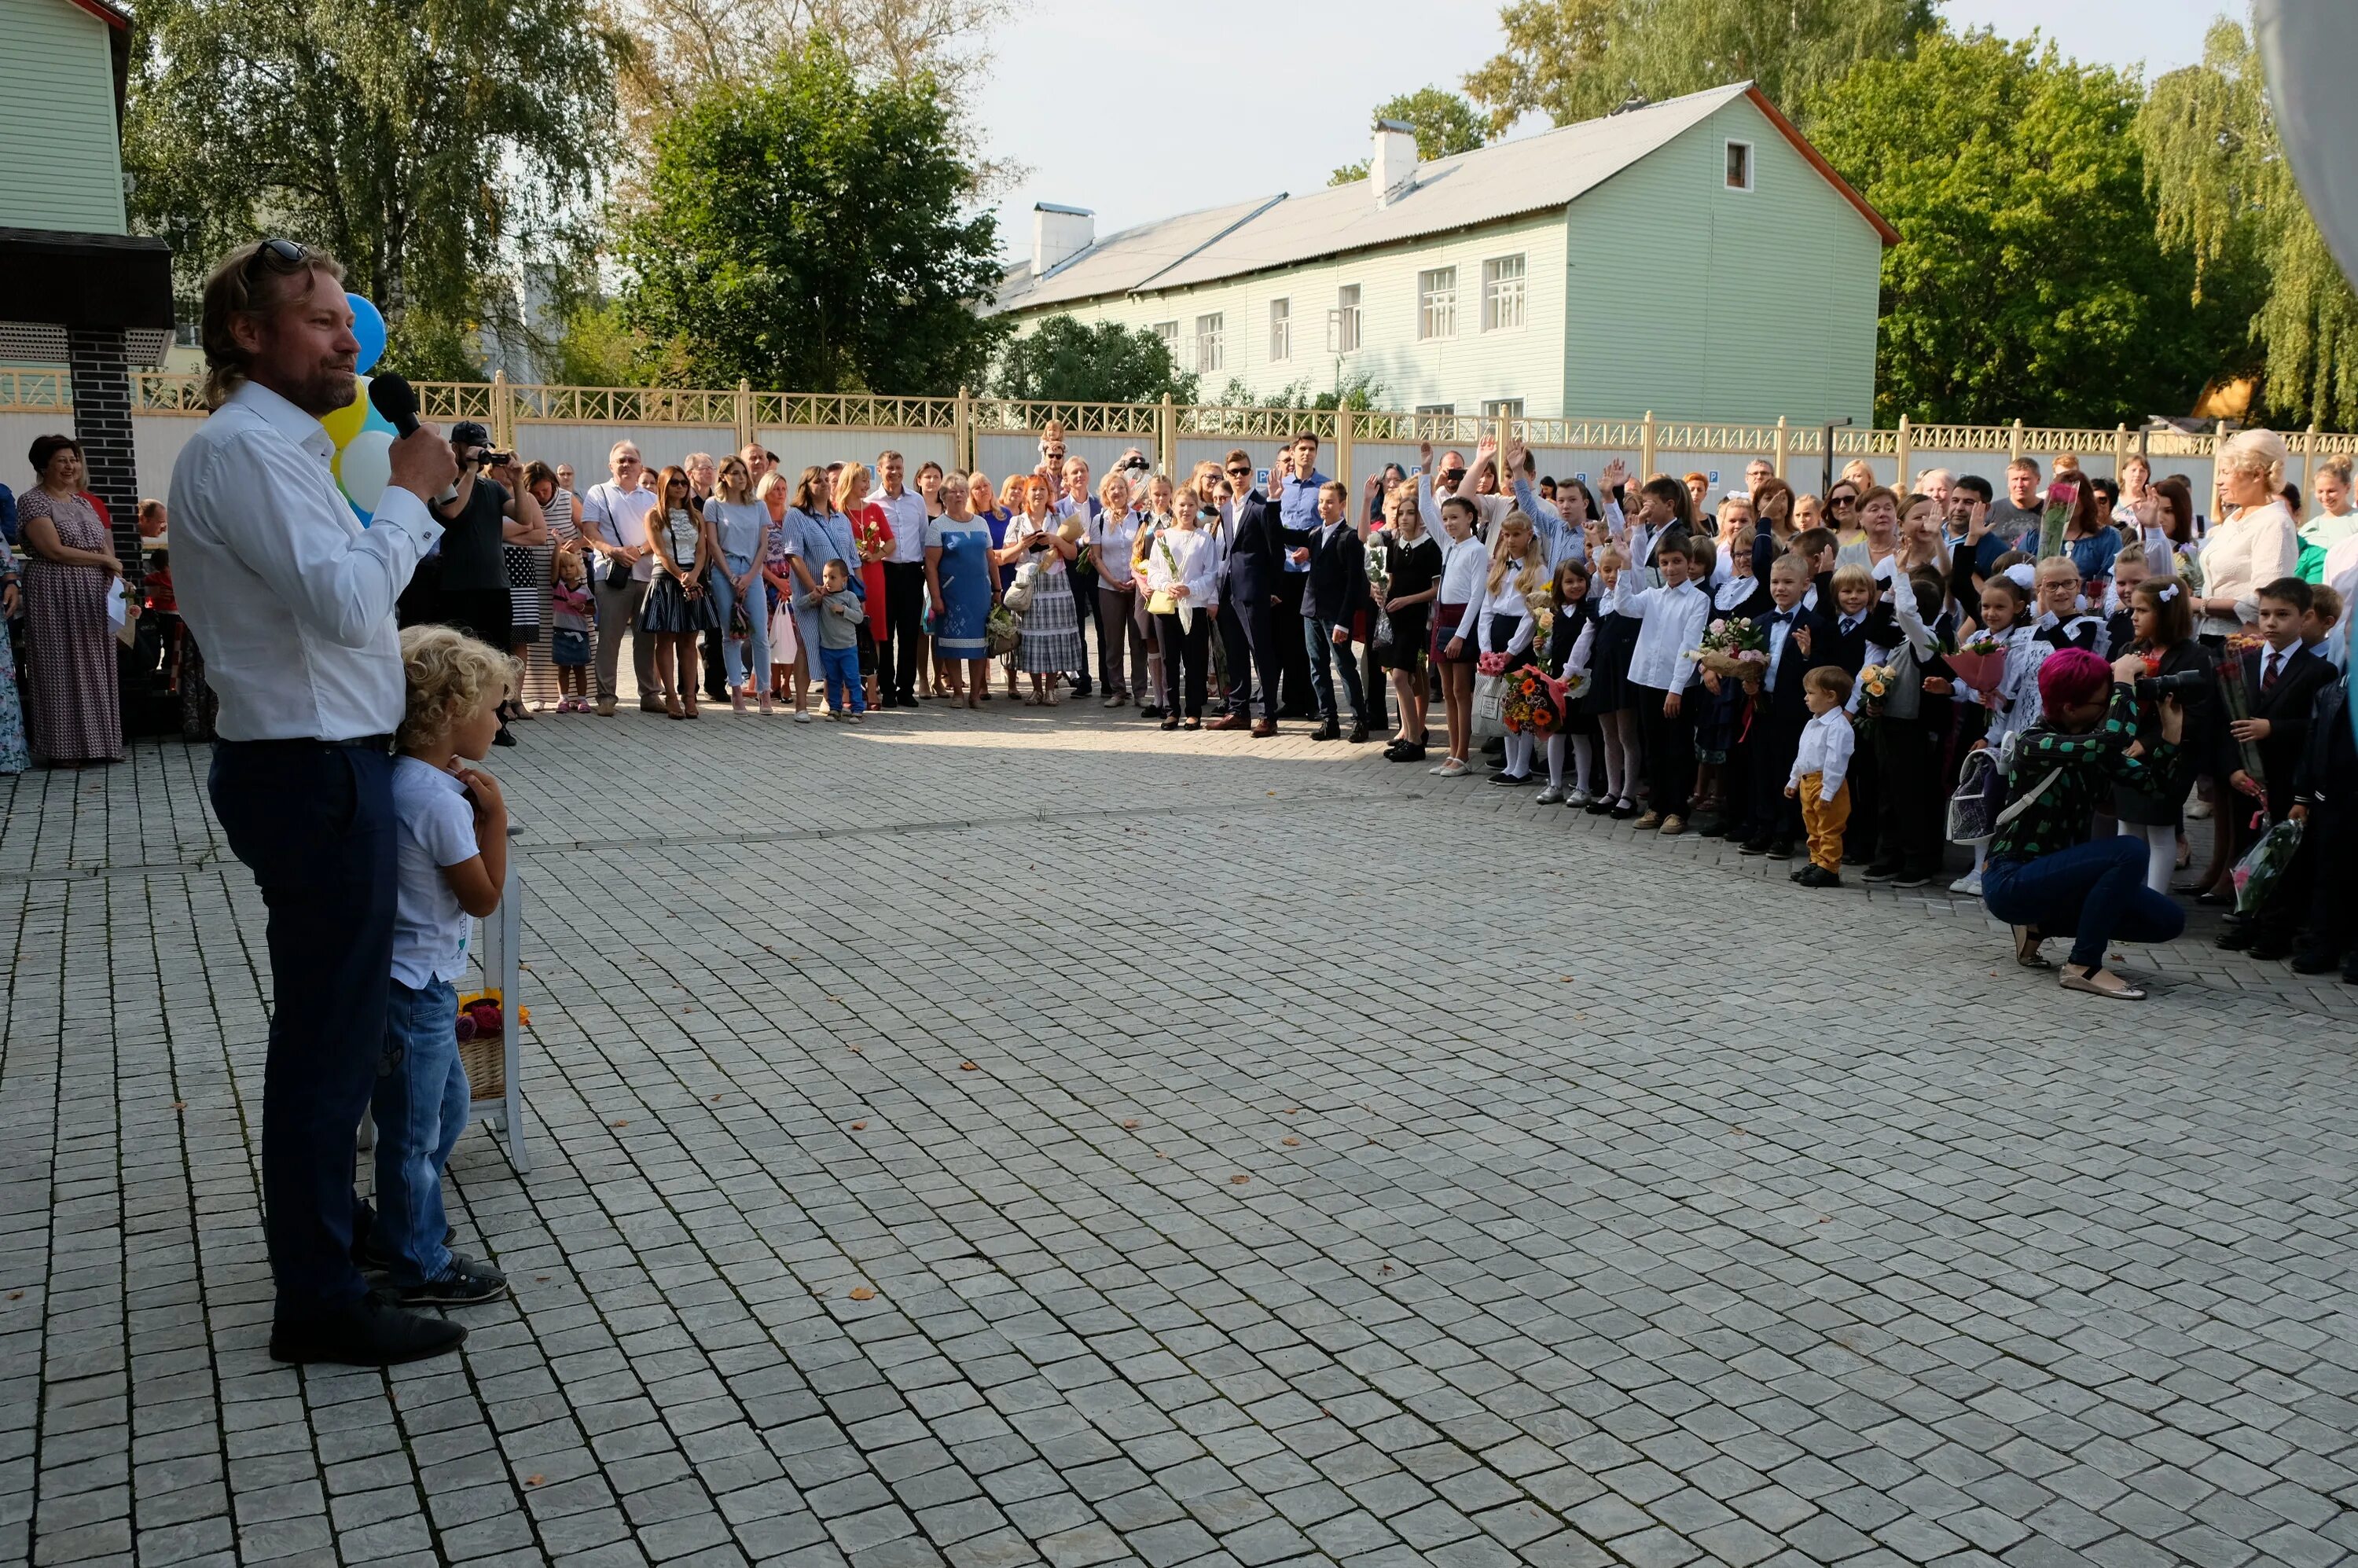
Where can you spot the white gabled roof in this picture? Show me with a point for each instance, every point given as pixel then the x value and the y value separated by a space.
pixel 1530 175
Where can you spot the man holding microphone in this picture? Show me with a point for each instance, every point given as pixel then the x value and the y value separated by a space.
pixel 292 599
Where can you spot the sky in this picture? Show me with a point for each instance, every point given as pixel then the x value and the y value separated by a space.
pixel 1141 109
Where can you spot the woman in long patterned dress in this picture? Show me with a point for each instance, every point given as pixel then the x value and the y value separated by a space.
pixel 14 758
pixel 77 714
pixel 1052 636
pixel 959 571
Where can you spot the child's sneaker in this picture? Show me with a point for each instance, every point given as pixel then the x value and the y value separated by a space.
pixel 468 1282
pixel 1970 885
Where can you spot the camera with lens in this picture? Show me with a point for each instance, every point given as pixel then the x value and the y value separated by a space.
pixel 2183 684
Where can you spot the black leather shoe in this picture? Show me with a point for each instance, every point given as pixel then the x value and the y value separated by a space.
pixel 1780 849
pixel 2311 961
pixel 1330 731
pixel 1358 735
pixel 2270 947
pixel 1753 846
pixel 372 1332
pixel 2234 938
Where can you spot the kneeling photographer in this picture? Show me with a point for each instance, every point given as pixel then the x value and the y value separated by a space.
pixel 2046 877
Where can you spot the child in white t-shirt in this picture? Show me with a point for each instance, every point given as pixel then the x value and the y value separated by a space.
pixel 450 859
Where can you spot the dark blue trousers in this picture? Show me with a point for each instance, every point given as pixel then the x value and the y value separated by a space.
pixel 1248 628
pixel 2092 892
pixel 314 824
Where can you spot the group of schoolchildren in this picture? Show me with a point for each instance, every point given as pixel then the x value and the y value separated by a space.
pixel 1790 689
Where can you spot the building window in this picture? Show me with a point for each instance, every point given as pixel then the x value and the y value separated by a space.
pixel 1209 354
pixel 1437 410
pixel 1503 408
pixel 1280 328
pixel 1739 165
pixel 1343 321
pixel 1502 294
pixel 1169 332
pixel 1436 303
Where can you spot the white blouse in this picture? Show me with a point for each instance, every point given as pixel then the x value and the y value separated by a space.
pixel 1190 552
pixel 2258 546
pixel 1021 527
pixel 1465 566
pixel 1506 599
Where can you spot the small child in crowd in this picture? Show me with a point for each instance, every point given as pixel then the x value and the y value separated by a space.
pixel 451 860
pixel 841 614
pixel 1820 775
pixel 571 613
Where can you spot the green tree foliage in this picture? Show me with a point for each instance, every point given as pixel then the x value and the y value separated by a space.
pixel 1446 125
pixel 1359 390
pixel 1063 361
pixel 2226 200
pixel 813 231
pixel 2029 282
pixel 436 147
pixel 1575 59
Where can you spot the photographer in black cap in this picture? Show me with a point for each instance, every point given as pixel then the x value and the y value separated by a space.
pixel 479 515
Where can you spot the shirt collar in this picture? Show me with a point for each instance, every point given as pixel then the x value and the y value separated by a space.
pixel 286 418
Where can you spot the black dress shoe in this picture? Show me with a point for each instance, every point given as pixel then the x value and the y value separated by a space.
pixel 1780 849
pixel 2311 961
pixel 2234 938
pixel 1358 735
pixel 1753 846
pixel 2270 947
pixel 1413 751
pixel 372 1332
pixel 1330 731
pixel 1599 807
pixel 1150 711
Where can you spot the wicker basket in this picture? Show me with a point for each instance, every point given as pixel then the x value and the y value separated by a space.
pixel 485 1057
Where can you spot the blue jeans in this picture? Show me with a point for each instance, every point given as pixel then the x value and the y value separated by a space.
pixel 421 1108
pixel 757 612
pixel 843 686
pixel 313 823
pixel 1325 659
pixel 2092 892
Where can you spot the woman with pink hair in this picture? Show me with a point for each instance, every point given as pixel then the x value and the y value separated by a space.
pixel 2046 877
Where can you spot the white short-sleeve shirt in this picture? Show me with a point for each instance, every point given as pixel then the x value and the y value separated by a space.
pixel 435 826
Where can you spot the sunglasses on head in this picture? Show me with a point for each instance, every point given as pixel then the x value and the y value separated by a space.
pixel 287 252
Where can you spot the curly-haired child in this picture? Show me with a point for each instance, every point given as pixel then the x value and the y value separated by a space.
pixel 450 859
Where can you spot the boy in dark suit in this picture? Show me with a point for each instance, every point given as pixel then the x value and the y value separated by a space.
pixel 2282 679
pixel 1778 713
pixel 1337 590
pixel 2325 796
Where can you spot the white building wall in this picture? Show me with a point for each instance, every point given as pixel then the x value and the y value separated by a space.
pixel 1464 371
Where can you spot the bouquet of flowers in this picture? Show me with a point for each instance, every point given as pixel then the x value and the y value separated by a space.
pixel 2059 497
pixel 1003 632
pixel 1874 682
pixel 2236 698
pixel 871 531
pixel 1981 663
pixel 1490 664
pixel 1535 702
pixel 1182 608
pixel 2256 875
pixel 1543 608
pixel 1380 588
pixel 1735 645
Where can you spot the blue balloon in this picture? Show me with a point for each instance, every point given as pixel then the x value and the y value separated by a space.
pixel 368 326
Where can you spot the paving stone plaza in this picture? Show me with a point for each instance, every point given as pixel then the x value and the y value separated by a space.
pixel 1007 1138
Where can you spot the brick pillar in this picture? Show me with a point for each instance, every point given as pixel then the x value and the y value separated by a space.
pixel 101 410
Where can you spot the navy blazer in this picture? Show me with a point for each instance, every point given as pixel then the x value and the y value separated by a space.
pixel 1785 704
pixel 2287 706
pixel 1338 589
pixel 1256 551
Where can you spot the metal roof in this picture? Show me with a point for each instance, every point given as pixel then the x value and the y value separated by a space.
pixel 1506 179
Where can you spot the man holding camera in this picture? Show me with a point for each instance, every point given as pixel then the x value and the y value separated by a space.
pixel 474 595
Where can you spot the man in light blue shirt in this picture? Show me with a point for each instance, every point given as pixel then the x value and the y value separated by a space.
pixel 1295 479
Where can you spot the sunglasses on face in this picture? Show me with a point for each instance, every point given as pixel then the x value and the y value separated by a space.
pixel 1841 499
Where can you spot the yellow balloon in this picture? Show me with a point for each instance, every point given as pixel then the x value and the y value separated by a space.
pixel 345 422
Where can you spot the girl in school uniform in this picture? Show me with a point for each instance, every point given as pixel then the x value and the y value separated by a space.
pixel 2161 621
pixel 1463 565
pixel 1503 621
pixel 1572 644
pixel 1608 699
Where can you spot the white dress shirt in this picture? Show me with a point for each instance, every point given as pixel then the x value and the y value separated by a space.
pixel 1672 634
pixel 612 516
pixel 1827 741
pixel 1779 623
pixel 288 595
pixel 1112 533
pixel 905 515
pixel 1465 568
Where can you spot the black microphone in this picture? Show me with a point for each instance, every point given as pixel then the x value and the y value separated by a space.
pixel 393 397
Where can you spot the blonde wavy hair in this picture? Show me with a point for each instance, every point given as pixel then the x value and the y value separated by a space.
pixel 1531 581
pixel 451 676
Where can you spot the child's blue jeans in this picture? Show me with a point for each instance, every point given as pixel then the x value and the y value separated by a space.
pixel 421 1108
pixel 842 668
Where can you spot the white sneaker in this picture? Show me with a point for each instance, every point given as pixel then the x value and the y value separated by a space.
pixel 802 715
pixel 1552 794
pixel 1970 884
pixel 1455 768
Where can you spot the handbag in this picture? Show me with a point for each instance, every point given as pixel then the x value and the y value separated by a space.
pixel 1489 706
pixel 1018 597
pixel 1974 809
pixel 618 572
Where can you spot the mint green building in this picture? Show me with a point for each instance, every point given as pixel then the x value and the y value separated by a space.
pixel 1696 258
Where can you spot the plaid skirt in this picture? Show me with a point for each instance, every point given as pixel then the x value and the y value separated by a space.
pixel 1052 629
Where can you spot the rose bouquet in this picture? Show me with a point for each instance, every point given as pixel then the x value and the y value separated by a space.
pixel 1875 682
pixel 1735 646
pixel 1981 663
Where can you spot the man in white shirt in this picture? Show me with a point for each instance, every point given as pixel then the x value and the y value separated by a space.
pixel 614 525
pixel 901 658
pixel 292 600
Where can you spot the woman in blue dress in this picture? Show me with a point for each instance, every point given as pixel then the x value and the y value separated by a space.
pixel 964 588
